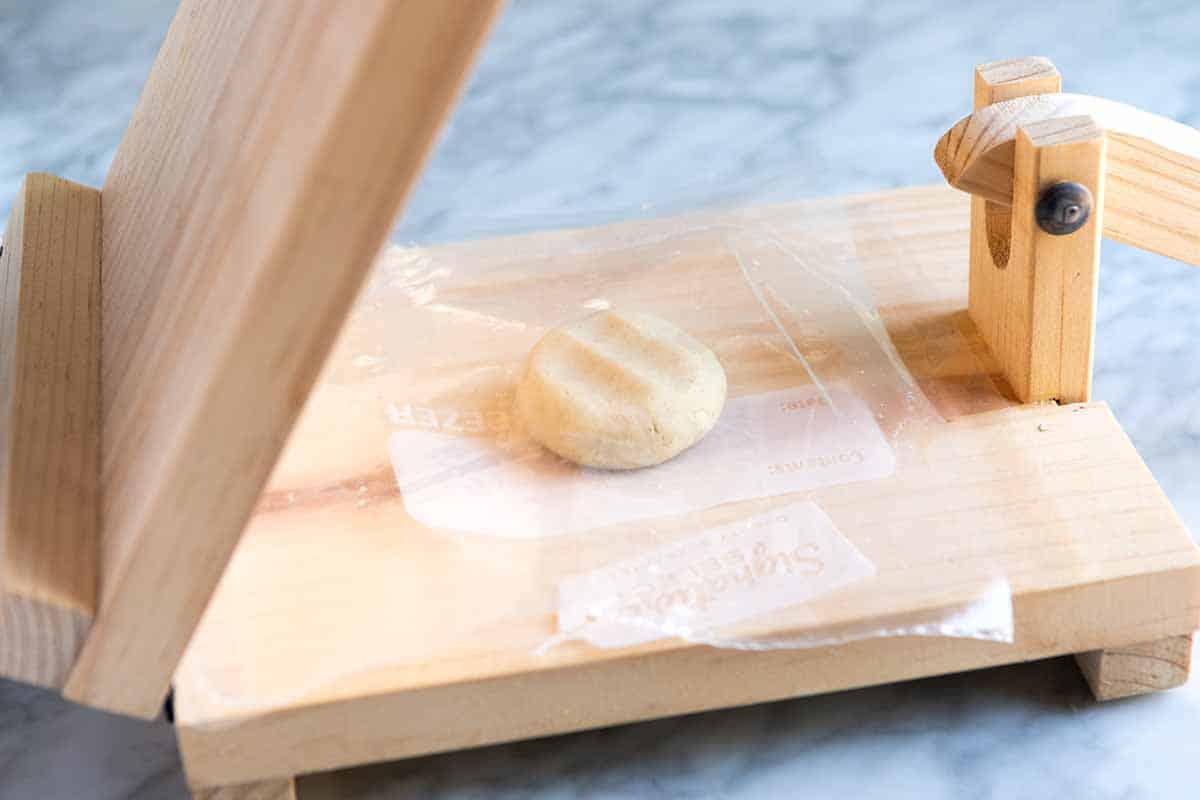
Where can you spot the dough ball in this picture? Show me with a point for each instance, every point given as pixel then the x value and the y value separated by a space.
pixel 619 390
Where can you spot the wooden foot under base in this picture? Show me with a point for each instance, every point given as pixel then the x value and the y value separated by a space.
pixel 1137 669
pixel 281 789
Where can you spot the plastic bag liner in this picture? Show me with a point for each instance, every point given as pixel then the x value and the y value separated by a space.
pixel 826 506
pixel 730 544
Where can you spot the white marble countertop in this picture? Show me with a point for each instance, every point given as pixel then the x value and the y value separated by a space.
pixel 582 107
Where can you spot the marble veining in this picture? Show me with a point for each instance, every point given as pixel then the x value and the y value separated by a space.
pixel 585 110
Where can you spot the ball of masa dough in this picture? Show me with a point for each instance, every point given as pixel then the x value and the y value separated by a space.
pixel 619 390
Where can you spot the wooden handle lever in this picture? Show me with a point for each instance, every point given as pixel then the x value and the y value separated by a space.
pixel 1153 165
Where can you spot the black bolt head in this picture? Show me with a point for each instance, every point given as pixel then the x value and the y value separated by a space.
pixel 1063 208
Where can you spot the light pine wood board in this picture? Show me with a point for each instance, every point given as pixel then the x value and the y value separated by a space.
pixel 344 632
pixel 267 158
pixel 1153 166
pixel 49 427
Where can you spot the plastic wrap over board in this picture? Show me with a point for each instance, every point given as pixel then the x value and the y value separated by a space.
pixel 792 525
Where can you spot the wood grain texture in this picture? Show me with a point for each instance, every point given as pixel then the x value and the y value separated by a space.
pixel 1037 310
pixel 512 705
pixel 1153 166
pixel 1117 672
pixel 49 427
pixel 991 223
pixel 320 665
pixel 1065 269
pixel 283 789
pixel 266 160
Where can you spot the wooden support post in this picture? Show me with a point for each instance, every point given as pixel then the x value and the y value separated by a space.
pixel 282 789
pixel 1033 295
pixel 49 441
pixel 1137 669
pixel 991 222
pixel 1049 323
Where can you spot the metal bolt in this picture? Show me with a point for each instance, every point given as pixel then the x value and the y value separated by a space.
pixel 1063 208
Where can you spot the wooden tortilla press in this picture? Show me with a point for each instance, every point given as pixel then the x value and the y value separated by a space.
pixel 158 338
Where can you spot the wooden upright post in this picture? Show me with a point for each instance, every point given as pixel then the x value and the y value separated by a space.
pixel 991 222
pixel 1032 295
pixel 1048 317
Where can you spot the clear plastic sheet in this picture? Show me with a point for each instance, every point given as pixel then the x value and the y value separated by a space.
pixel 819 400
pixel 817 393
